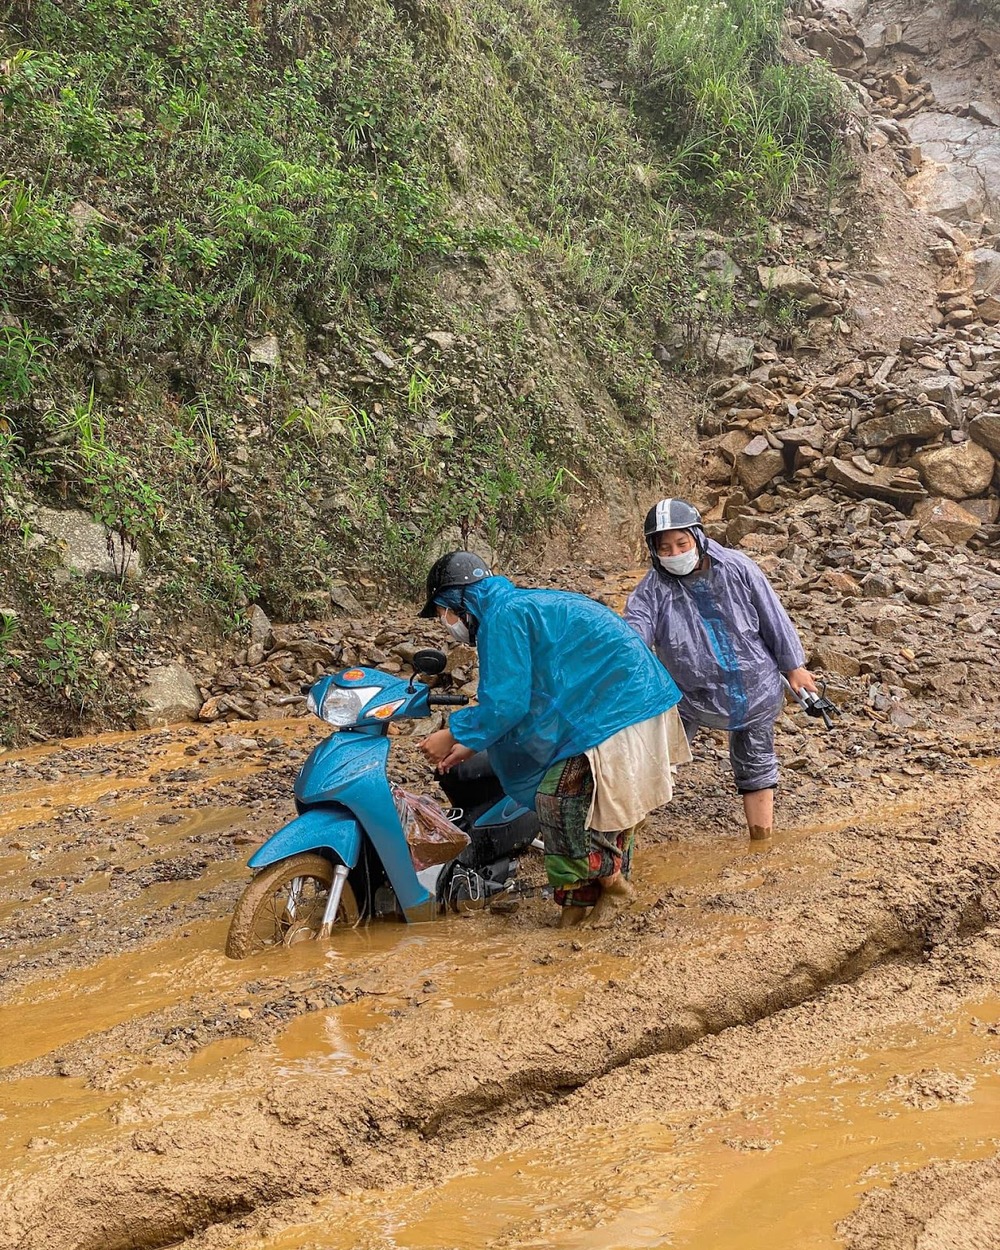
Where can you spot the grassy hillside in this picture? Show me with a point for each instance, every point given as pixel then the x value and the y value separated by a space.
pixel 292 291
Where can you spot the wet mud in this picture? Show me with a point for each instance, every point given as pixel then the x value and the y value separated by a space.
pixel 765 1034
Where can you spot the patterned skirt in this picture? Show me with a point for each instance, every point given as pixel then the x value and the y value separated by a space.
pixel 577 857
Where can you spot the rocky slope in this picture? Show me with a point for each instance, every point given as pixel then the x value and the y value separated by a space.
pixel 295 295
pixel 864 481
pixel 868 487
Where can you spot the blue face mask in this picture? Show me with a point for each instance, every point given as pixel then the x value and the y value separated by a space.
pixel 682 565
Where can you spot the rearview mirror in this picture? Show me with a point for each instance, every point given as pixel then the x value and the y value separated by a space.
pixel 430 662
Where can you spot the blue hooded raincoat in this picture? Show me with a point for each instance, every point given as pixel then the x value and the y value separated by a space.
pixel 723 635
pixel 558 674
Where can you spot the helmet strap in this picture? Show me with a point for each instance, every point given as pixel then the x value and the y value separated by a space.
pixel 471 622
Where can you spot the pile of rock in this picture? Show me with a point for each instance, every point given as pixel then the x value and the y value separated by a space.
pixel 881 598
pixel 858 492
pixel 831 36
pixel 898 93
pixel 918 427
pixel 267 677
pixel 821 293
pixel 969 295
pixel 896 89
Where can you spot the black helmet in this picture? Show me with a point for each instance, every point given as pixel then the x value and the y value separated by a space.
pixel 457 568
pixel 673 514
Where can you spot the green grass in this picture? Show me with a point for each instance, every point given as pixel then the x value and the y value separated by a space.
pixel 234 178
pixel 740 128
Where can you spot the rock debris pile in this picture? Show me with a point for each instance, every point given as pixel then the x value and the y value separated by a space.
pixel 870 498
pixel 268 677
pixel 870 491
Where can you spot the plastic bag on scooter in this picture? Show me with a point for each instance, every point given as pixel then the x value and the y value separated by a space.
pixel 430 835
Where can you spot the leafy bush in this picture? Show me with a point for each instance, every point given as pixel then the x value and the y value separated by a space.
pixel 65 666
pixel 23 360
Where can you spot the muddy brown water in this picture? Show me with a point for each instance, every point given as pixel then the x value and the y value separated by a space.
pixel 778 1173
pixel 763 1038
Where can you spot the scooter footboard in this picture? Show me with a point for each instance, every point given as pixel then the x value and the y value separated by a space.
pixel 328 828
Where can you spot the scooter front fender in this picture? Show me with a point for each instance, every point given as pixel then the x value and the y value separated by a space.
pixel 331 828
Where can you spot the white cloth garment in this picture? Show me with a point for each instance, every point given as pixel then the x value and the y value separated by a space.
pixel 632 771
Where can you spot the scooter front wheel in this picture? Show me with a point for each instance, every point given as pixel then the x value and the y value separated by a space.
pixel 284 904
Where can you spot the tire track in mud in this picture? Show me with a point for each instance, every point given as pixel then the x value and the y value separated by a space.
pixel 234 1147
pixel 754 1138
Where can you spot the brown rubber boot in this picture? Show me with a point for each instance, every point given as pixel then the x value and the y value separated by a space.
pixel 760 833
pixel 571 916
pixel 615 895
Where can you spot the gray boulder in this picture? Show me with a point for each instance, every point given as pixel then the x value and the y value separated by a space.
pixel 719 266
pixel 731 444
pixel 832 659
pixel 261 633
pixel 82 216
pixel 840 51
pixel 265 351
pixel 786 281
pixel 985 430
pixel 943 389
pixel 727 353
pixel 757 470
pixel 85 545
pixel 902 425
pixel 804 436
pixel 169 695
pixel 952 198
pixel 987 269
pixel 875 482
pixel 986 509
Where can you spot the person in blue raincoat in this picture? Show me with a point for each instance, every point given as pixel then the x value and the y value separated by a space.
pixel 575 714
pixel 714 620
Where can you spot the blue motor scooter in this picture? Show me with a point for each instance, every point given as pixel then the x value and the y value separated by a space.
pixel 345 857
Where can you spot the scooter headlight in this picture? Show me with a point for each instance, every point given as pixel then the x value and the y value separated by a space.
pixel 339 706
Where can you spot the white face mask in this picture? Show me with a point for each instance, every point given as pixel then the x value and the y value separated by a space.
pixel 459 630
pixel 682 565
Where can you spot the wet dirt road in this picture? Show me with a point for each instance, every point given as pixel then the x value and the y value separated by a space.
pixel 762 1039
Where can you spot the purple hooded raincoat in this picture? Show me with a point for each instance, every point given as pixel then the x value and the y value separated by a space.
pixel 723 636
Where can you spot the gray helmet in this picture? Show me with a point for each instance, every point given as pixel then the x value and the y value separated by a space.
pixel 673 514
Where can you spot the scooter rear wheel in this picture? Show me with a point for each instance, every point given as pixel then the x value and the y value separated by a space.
pixel 284 904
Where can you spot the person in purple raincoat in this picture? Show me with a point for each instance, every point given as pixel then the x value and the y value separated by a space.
pixel 716 623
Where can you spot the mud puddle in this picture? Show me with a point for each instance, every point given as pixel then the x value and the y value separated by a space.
pixel 149 1083
pixel 779 1171
pixel 457 964
pixel 451 953
pixel 110 1018
pixel 91 1000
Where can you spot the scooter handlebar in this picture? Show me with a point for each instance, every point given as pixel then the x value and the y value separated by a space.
pixel 447 700
pixel 813 703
